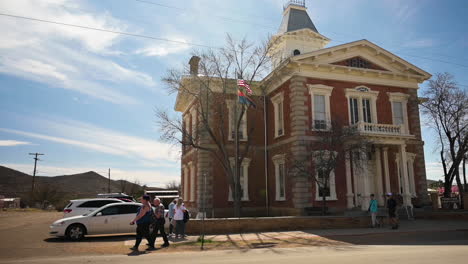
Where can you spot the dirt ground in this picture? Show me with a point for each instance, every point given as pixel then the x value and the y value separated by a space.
pixel 26 235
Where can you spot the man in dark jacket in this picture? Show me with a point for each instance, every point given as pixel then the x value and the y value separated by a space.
pixel 158 223
pixel 391 206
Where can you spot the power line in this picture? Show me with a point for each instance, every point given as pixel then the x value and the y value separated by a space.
pixel 177 41
pixel 107 30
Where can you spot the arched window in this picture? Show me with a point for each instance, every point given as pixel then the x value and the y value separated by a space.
pixel 296 52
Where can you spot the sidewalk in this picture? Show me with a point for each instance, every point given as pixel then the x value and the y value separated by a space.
pixel 406 226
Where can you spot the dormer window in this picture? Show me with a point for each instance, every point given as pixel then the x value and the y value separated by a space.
pixel 296 52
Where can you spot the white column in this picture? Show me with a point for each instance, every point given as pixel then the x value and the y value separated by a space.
pixel 365 182
pixel 404 168
pixel 411 175
pixel 378 179
pixel 349 184
pixel 387 174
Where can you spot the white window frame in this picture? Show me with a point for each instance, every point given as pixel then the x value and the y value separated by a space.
pixel 331 178
pixel 192 181
pixel 245 184
pixel 326 91
pixel 403 99
pixel 362 92
pixel 277 161
pixel 279 124
pixel 230 105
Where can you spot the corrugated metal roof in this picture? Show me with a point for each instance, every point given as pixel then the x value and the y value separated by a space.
pixel 295 19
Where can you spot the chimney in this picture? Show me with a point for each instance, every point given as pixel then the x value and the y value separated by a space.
pixel 193 62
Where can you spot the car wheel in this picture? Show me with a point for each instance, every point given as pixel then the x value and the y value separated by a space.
pixel 75 232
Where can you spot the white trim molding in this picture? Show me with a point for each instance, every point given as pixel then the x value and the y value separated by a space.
pixel 320 90
pixel 279 160
pixel 278 105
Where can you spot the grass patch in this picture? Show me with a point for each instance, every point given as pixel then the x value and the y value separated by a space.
pixel 199 240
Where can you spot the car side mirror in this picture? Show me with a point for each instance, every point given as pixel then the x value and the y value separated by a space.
pixel 99 214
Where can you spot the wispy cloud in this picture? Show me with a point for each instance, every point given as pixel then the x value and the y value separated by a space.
pixel 70 58
pixel 420 43
pixel 11 143
pixel 86 136
pixel 163 49
pixel 149 177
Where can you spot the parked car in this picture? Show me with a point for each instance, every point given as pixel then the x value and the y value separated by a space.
pixel 109 219
pixel 85 206
pixel 121 196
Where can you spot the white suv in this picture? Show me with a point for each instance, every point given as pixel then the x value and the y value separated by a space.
pixel 84 206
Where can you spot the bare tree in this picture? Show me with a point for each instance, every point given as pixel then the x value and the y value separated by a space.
pixel 173 185
pixel 212 87
pixel 447 110
pixel 330 148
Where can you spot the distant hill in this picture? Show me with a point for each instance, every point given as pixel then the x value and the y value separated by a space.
pixel 14 183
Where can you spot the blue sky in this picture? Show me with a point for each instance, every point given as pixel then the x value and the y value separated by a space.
pixel 86 99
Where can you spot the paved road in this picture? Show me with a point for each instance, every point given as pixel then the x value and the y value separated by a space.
pixel 355 254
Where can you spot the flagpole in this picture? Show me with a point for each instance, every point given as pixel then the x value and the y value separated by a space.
pixel 236 154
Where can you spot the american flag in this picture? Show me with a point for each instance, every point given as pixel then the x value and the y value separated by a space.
pixel 245 85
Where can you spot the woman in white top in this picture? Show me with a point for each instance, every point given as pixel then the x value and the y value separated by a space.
pixel 179 211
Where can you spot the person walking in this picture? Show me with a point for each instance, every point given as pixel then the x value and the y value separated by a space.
pixel 143 221
pixel 391 206
pixel 170 215
pixel 179 210
pixel 158 224
pixel 373 209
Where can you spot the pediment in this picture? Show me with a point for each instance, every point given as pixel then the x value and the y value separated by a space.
pixel 362 55
pixel 359 62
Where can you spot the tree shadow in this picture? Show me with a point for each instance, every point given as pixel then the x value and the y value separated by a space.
pixel 106 238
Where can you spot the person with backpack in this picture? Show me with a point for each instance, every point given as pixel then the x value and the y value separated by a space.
pixel 179 211
pixel 158 224
pixel 143 220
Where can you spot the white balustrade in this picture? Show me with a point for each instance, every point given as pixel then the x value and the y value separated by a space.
pixel 371 128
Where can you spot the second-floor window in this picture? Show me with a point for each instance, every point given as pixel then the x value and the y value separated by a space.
pixel 279 114
pixel 362 104
pixel 366 110
pixel 320 118
pixel 398 118
pixel 320 98
pixel 399 103
pixel 354 110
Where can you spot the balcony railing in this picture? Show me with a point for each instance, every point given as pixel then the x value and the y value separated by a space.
pixel 380 129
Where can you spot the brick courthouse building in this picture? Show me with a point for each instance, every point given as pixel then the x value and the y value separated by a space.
pixel 360 82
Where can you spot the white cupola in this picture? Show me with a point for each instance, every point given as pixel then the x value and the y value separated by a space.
pixel 296 35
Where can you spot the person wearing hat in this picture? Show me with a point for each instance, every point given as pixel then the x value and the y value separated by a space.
pixel 143 220
pixel 391 206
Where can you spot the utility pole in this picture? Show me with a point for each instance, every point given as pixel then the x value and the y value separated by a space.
pixel 108 184
pixel 34 173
